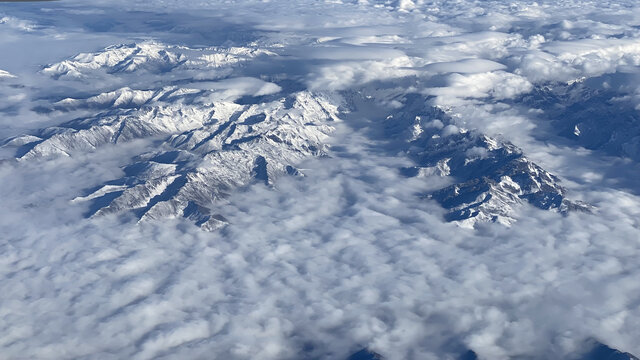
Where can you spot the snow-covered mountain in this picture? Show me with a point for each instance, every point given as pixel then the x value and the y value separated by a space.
pixel 355 179
pixel 207 144
pixel 490 176
pixel 207 148
pixel 151 57
pixel 592 114
pixel 195 168
pixel 594 351
pixel 210 145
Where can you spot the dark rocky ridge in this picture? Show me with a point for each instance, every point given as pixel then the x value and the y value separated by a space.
pixel 490 175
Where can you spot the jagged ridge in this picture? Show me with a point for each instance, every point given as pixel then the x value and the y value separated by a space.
pixel 202 165
pixel 152 57
pixel 209 144
pixel 590 114
pixel 491 176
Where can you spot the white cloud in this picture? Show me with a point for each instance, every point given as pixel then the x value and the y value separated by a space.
pixel 498 85
pixel 6 74
pixel 17 24
pixel 232 88
pixel 350 255
pixel 543 67
pixel 342 75
pixel 596 57
pixel 466 66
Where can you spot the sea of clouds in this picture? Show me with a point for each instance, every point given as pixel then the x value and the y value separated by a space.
pixel 349 256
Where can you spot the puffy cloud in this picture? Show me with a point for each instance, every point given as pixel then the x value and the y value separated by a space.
pixel 498 85
pixel 595 57
pixel 17 24
pixel 350 255
pixel 6 74
pixel 543 67
pixel 342 75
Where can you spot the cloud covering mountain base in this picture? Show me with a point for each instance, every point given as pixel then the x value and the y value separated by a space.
pixel 346 252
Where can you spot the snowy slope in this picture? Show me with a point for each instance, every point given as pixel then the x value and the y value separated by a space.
pixel 208 145
pixel 152 57
pixel 211 145
pixel 491 176
pixel 202 165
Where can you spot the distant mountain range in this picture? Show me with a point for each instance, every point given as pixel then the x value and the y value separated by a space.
pixel 208 145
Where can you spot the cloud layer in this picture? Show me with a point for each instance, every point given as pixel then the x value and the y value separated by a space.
pixel 350 255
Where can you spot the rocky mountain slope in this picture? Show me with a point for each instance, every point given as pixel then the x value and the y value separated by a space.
pixel 207 149
pixel 592 114
pixel 490 176
pixel 208 143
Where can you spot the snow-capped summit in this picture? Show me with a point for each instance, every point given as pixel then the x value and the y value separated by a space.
pixel 197 167
pixel 209 148
pixel 490 176
pixel 125 117
pixel 208 143
pixel 152 57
